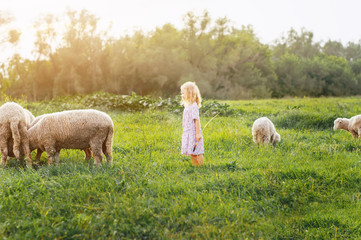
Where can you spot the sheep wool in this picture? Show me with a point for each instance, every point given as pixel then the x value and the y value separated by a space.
pixel 14 141
pixel 75 129
pixel 352 125
pixel 263 131
pixel 88 152
pixel 29 118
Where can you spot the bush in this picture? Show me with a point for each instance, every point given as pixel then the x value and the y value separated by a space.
pixel 118 102
pixel 133 103
pixel 213 108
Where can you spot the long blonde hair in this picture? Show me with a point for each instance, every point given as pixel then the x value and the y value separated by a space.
pixel 192 94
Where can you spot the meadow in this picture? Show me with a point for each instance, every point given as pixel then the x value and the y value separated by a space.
pixel 306 187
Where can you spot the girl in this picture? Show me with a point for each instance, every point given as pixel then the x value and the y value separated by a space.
pixel 192 140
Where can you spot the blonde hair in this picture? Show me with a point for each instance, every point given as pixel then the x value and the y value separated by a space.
pixel 192 94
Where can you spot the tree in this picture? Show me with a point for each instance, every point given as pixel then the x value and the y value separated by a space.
pixel 45 45
pixel 291 79
pixel 249 71
pixel 78 60
pixel 353 51
pixel 8 35
pixel 227 62
pixel 301 44
pixel 334 48
pixel 20 73
pixel 332 76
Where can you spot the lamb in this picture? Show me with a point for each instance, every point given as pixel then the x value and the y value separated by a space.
pixel 74 129
pixel 264 131
pixel 14 140
pixel 353 125
pixel 88 152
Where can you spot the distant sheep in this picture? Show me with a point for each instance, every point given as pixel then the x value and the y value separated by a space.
pixel 353 125
pixel 14 141
pixel 75 129
pixel 264 131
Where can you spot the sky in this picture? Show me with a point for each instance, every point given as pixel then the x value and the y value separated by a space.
pixel 328 19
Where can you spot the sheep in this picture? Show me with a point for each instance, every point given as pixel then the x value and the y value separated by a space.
pixel 88 152
pixel 264 131
pixel 74 129
pixel 14 121
pixel 29 118
pixel 353 125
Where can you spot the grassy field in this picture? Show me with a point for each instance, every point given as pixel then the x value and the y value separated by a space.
pixel 306 187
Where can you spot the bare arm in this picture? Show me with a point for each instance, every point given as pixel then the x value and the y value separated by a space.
pixel 198 129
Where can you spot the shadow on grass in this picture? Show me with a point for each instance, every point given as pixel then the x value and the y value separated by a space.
pixel 305 120
pixel 229 166
pixel 14 163
pixel 353 146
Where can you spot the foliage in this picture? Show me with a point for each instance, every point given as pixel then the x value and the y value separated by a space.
pixel 300 44
pixel 213 108
pixel 226 62
pixel 135 103
pixel 118 102
pixel 323 75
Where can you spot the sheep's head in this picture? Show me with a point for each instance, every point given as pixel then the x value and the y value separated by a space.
pixel 340 123
pixel 276 138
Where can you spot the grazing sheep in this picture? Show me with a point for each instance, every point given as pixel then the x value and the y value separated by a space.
pixel 88 152
pixel 75 129
pixel 29 118
pixel 264 131
pixel 353 125
pixel 14 121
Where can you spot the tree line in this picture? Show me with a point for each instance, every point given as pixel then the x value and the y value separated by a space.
pixel 225 61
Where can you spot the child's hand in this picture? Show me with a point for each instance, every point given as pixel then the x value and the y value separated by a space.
pixel 198 137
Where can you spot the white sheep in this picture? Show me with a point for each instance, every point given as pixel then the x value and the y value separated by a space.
pixel 353 125
pixel 264 131
pixel 74 129
pixel 88 152
pixel 29 118
pixel 14 140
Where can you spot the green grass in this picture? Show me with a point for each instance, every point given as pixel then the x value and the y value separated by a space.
pixel 306 187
